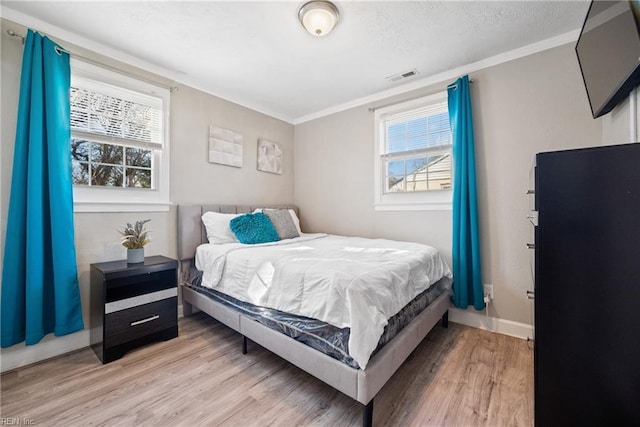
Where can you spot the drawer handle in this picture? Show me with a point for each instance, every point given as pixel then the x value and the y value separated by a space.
pixel 148 319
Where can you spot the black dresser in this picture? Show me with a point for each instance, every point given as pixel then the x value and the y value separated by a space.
pixel 132 305
pixel 587 295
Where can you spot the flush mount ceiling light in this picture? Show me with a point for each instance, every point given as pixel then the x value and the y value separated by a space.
pixel 318 17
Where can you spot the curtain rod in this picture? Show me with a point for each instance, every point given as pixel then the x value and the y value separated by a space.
pixel 14 34
pixel 372 109
pixel 60 50
pixel 454 85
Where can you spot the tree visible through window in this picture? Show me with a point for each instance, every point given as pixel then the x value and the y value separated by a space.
pixel 109 165
pixel 113 136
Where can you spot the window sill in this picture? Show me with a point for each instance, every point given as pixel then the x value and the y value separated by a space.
pixel 120 207
pixel 436 200
pixel 108 199
pixel 432 206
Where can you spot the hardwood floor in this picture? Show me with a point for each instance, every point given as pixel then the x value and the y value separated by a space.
pixel 458 376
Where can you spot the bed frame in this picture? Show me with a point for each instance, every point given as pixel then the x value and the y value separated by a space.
pixel 361 385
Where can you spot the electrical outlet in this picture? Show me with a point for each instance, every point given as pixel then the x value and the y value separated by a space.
pixel 488 290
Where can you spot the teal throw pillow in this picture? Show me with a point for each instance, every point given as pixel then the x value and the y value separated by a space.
pixel 253 228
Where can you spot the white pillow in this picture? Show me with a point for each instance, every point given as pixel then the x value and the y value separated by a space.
pixel 294 217
pixel 217 226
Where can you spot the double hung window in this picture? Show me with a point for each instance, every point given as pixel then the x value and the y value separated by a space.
pixel 413 155
pixel 119 143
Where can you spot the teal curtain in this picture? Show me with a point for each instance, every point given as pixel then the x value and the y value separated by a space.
pixel 39 277
pixel 467 272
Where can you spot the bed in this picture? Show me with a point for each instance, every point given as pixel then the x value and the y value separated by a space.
pixel 336 354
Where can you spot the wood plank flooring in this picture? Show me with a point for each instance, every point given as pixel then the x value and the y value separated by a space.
pixel 458 376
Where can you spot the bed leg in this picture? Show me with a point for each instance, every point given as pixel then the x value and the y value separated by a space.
pixel 244 345
pixel 445 319
pixel 187 309
pixel 367 414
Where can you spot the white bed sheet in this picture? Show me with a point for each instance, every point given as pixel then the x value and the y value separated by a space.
pixel 344 281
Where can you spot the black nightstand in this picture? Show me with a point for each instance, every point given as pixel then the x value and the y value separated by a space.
pixel 132 305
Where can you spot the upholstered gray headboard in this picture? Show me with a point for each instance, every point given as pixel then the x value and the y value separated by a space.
pixel 191 232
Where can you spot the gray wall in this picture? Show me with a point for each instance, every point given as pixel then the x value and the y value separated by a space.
pixel 193 179
pixel 536 103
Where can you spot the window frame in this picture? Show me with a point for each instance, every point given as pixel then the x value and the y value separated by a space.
pixel 126 199
pixel 400 201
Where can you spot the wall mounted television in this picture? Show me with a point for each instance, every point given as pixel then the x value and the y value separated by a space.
pixel 608 51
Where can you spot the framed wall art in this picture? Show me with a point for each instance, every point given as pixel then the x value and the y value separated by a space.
pixel 269 156
pixel 225 147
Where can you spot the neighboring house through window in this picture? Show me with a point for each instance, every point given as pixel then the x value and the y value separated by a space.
pixel 119 141
pixel 413 155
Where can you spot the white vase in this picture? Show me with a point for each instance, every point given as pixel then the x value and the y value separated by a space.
pixel 135 256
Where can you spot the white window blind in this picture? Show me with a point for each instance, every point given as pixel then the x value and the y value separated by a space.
pixel 112 114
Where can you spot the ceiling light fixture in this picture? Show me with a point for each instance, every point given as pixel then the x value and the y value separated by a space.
pixel 318 17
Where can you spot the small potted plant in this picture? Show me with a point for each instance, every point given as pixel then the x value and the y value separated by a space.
pixel 134 237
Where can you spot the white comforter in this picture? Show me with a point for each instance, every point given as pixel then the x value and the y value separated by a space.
pixel 344 281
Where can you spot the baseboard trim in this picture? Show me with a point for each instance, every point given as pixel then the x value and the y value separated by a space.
pixel 51 346
pixel 493 324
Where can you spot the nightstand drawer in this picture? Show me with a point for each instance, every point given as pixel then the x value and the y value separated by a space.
pixel 125 304
pixel 141 284
pixel 126 325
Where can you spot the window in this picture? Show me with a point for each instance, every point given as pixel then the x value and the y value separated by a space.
pixel 413 155
pixel 119 144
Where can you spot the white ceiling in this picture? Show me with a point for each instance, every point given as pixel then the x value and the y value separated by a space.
pixel 258 55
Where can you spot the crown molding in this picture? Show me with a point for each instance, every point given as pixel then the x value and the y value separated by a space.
pixel 550 43
pixel 176 76
pixel 179 77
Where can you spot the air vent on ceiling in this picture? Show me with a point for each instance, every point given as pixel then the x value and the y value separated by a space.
pixel 404 75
